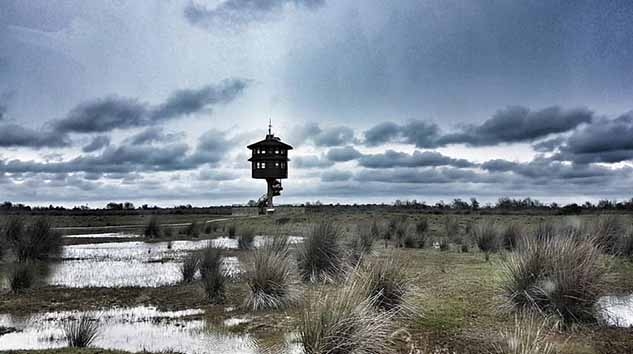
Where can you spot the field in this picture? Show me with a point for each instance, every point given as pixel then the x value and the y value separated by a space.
pixel 455 300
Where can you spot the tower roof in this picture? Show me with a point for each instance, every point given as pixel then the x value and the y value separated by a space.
pixel 270 141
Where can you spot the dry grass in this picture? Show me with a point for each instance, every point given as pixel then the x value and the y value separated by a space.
pixel 526 337
pixel 320 255
pixel 81 333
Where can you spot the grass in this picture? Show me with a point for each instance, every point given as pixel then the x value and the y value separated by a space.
pixel 152 228
pixel 558 276
pixel 511 235
pixel 344 322
pixel 387 282
pixel 247 236
pixel 486 236
pixel 319 257
pixel 527 336
pixel 81 333
pixel 213 277
pixel 359 245
pixel 231 230
pixel 21 277
pixel 31 242
pixel 269 278
pixel 193 229
pixel 190 267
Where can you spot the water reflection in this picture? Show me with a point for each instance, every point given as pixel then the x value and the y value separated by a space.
pixel 105 235
pixel 131 329
pixel 617 310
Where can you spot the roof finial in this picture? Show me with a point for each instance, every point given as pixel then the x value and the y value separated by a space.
pixel 270 126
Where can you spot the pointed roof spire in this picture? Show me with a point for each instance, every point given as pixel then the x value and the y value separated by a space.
pixel 270 126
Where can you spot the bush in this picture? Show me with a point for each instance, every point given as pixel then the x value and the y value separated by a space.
pixel 486 237
pixel 213 277
pixel 345 322
pixel 247 236
pixel 561 276
pixel 152 229
pixel 510 236
pixel 33 242
pixel 231 230
pixel 319 256
pixel 465 247
pixel 386 282
pixel 190 267
pixel 21 277
pixel 193 229
pixel 526 337
pixel 269 278
pixel 81 333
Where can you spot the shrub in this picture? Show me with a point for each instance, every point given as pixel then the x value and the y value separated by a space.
pixel 36 241
pixel 152 229
pixel 193 229
pixel 526 337
pixel 231 230
pixel 561 276
pixel 247 236
pixel 190 267
pixel 465 247
pixel 269 279
pixel 213 277
pixel 319 256
pixel 21 277
pixel 345 322
pixel 486 237
pixel 510 236
pixel 386 282
pixel 422 226
pixel 82 332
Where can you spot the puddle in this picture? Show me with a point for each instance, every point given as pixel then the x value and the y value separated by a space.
pixel 123 264
pixel 130 329
pixel 617 310
pixel 228 243
pixel 230 322
pixel 105 235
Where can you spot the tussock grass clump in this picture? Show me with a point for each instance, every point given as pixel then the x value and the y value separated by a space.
pixel 319 257
pixel 609 231
pixel 152 229
pixel 345 322
pixel 511 235
pixel 386 282
pixel 37 241
pixel 247 236
pixel 231 230
pixel 190 267
pixel 269 277
pixel 451 226
pixel 213 277
pixel 559 276
pixel 21 277
pixel 444 246
pixel 82 332
pixel 401 231
pixel 627 243
pixel 545 231
pixel 360 244
pixel 486 236
pixel 526 337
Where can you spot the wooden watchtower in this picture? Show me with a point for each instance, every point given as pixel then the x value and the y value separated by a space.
pixel 269 161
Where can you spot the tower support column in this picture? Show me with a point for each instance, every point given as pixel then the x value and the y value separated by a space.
pixel 270 193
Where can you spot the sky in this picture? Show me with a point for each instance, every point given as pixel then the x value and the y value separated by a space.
pixel 155 101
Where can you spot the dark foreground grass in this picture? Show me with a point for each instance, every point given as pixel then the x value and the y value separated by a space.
pixel 82 332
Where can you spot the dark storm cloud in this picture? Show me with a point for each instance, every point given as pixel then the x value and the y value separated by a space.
pixel 3 111
pixel 606 140
pixel 330 136
pixel 393 158
pixel 424 175
pixel 519 124
pixel 548 144
pixel 13 135
pixel 153 135
pixel 343 154
pixel 240 12
pixel 335 176
pixel 212 147
pixel 417 132
pixel 97 143
pixel 106 114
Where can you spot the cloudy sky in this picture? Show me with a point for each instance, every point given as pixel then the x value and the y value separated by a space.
pixel 154 101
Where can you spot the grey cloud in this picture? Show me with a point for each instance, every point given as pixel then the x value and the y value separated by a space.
pixel 217 175
pixel 330 136
pixel 3 111
pixel 240 12
pixel 13 135
pixel 425 175
pixel 153 135
pixel 116 112
pixel 420 133
pixel 519 124
pixel 97 143
pixel 393 158
pixel 343 154
pixel 335 176
pixel 605 140
pixel 548 144
pixel 212 147
pixel 310 161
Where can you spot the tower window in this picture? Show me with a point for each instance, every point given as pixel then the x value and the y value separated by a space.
pixel 277 164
